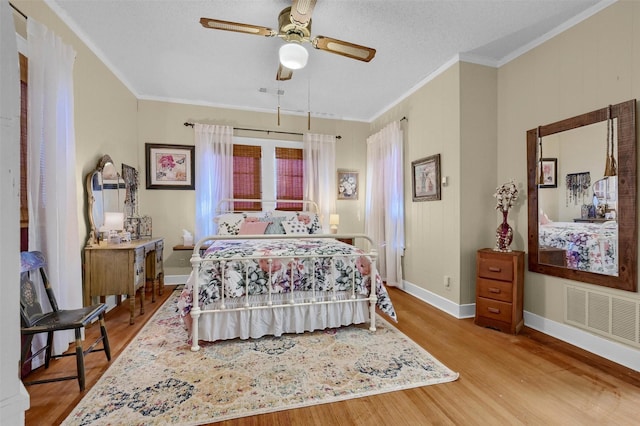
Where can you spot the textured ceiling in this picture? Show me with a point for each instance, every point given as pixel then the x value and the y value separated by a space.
pixel 161 52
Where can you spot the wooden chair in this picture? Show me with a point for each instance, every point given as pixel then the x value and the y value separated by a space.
pixel 35 321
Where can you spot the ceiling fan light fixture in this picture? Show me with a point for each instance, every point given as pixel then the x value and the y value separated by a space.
pixel 293 56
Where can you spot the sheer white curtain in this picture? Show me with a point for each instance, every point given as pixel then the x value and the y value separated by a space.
pixel 51 156
pixel 319 154
pixel 384 206
pixel 214 173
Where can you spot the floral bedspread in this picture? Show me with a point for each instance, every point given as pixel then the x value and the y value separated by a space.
pixel 590 247
pixel 284 273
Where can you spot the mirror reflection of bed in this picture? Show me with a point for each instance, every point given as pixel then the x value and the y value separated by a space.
pixel 577 227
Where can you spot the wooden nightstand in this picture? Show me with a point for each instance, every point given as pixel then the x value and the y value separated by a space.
pixel 346 240
pixel 499 290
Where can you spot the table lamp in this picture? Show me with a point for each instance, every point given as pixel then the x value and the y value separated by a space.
pixel 334 221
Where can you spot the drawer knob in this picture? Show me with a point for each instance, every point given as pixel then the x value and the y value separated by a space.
pixel 493 310
pixel 494 269
pixel 494 290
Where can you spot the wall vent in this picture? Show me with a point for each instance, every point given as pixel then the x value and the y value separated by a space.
pixel 615 317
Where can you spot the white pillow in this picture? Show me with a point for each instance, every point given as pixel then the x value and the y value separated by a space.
pixel 295 227
pixel 229 224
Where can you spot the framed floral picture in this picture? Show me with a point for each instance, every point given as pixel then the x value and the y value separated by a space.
pixel 348 185
pixel 549 173
pixel 170 166
pixel 426 178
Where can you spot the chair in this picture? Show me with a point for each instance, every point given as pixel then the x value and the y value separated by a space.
pixel 35 321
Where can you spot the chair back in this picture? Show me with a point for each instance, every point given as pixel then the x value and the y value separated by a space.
pixel 30 307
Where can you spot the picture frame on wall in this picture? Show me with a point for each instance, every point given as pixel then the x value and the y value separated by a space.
pixel 549 172
pixel 170 166
pixel 426 178
pixel 348 185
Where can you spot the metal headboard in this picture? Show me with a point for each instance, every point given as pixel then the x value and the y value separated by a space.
pixel 307 205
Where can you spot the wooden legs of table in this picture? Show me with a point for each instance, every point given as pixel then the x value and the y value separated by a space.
pixel 160 281
pixel 154 288
pixel 132 304
pixel 132 308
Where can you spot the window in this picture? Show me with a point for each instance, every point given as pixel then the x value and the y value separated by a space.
pixel 289 177
pixel 247 176
pixel 268 170
pixel 24 208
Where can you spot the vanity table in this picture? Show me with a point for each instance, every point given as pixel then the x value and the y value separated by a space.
pixel 117 269
pixel 122 268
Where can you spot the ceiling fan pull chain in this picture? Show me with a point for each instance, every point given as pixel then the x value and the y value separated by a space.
pixel 309 104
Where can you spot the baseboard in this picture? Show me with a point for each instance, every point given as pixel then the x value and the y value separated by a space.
pixel 437 301
pixel 613 351
pixel 13 406
pixel 175 279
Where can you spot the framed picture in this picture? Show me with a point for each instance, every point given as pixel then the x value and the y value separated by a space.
pixel 549 173
pixel 426 178
pixel 170 166
pixel 348 185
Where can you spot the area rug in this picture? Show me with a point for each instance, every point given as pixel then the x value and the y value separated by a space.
pixel 157 379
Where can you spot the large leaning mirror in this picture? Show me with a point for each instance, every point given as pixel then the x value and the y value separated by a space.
pixel 582 210
pixel 105 197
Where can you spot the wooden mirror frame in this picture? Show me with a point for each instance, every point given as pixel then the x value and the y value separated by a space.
pixel 625 112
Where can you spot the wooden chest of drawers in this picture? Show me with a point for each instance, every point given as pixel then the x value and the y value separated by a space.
pixel 499 290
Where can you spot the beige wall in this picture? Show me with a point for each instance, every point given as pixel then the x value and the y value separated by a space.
pixel 105 110
pixel 452 115
pixel 594 64
pixel 460 114
pixel 174 210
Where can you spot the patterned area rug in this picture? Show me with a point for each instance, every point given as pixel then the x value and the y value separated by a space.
pixel 158 380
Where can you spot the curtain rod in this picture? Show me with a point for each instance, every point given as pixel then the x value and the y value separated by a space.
pixel 18 10
pixel 261 130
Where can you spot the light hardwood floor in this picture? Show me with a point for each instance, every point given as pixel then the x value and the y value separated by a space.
pixel 529 379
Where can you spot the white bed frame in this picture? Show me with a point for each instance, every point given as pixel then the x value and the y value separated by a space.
pixel 307 205
pixel 290 300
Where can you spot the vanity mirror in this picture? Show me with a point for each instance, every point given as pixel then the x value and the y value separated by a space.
pixel 585 229
pixel 105 197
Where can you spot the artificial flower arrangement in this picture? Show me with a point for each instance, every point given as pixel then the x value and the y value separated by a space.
pixel 506 195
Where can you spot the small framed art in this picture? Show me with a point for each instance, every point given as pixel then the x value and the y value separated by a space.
pixel 170 166
pixel 348 185
pixel 426 178
pixel 549 173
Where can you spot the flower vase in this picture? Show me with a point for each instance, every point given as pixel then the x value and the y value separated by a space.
pixel 504 234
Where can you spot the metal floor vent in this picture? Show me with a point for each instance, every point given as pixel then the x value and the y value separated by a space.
pixel 615 317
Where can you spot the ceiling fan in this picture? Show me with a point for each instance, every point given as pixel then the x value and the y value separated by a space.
pixel 294 27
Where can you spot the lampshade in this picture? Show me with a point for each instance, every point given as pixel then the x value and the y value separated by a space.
pixel 334 219
pixel 113 221
pixel 293 56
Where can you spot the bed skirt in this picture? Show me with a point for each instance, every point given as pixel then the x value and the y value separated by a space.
pixel 256 322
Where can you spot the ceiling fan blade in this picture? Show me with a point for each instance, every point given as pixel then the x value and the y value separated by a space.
pixel 217 24
pixel 284 73
pixel 301 11
pixel 344 48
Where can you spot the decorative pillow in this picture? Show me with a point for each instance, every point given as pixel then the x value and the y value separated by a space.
pixel 274 225
pixel 229 224
pixel 295 227
pixel 312 221
pixel 252 227
pixel 543 218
